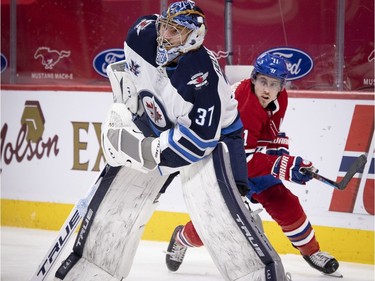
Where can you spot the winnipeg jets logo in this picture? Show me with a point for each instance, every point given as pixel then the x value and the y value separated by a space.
pixel 134 67
pixel 154 112
pixel 199 80
pixel 142 25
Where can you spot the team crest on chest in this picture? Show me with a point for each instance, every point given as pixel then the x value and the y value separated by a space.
pixel 199 80
pixel 154 111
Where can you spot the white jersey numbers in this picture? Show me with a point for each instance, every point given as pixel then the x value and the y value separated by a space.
pixel 204 114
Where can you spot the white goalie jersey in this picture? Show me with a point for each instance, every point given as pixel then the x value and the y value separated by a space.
pixel 188 105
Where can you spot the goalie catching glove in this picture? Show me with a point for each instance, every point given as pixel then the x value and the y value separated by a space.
pixel 124 144
pixel 293 169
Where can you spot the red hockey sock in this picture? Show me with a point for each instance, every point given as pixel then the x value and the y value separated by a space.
pixel 309 248
pixel 302 236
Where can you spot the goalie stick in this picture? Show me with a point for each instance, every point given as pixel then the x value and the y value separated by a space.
pixel 70 224
pixel 356 167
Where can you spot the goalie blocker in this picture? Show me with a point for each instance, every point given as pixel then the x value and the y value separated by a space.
pixel 112 228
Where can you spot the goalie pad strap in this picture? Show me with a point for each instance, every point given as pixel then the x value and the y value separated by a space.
pixel 69 262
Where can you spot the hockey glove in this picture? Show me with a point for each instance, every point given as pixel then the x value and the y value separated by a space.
pixel 123 88
pixel 124 144
pixel 279 146
pixel 292 169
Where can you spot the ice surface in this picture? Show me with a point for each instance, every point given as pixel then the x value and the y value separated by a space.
pixel 23 249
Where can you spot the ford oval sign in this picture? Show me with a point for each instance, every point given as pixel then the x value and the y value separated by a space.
pixel 298 62
pixel 4 62
pixel 106 57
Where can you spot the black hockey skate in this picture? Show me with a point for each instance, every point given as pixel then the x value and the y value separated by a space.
pixel 323 262
pixel 176 252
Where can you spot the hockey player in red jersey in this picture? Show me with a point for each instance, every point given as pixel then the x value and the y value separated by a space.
pixel 263 102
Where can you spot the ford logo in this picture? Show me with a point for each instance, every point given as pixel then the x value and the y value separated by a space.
pixel 299 63
pixel 4 63
pixel 106 57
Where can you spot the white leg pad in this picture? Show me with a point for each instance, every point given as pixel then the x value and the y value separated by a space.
pixel 118 225
pixel 88 271
pixel 230 249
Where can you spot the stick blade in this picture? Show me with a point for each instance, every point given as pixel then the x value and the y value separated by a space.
pixel 356 167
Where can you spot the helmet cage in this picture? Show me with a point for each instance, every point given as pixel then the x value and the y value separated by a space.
pixel 179 34
pixel 182 16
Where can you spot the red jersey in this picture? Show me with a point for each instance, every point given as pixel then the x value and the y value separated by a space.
pixel 261 126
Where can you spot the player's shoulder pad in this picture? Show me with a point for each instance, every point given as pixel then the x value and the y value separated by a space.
pixel 141 38
pixel 143 24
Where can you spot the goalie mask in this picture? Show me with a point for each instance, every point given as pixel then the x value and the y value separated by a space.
pixel 181 28
pixel 272 66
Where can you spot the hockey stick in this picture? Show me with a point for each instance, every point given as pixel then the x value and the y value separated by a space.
pixel 356 167
pixel 70 224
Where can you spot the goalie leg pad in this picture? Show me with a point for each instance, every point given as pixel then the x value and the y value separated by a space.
pixel 237 246
pixel 116 227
